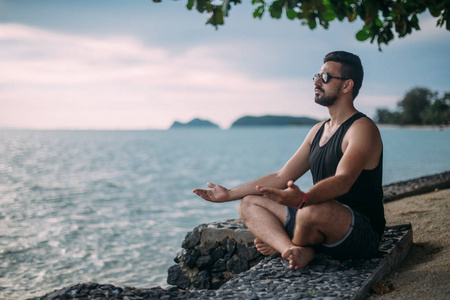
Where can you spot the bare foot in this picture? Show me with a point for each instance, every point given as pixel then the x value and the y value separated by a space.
pixel 298 257
pixel 264 248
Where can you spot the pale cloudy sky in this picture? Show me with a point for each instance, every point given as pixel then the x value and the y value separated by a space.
pixel 117 64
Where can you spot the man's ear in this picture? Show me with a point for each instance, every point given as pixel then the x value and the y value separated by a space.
pixel 348 86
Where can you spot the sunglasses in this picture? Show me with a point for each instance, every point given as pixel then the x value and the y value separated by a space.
pixel 325 77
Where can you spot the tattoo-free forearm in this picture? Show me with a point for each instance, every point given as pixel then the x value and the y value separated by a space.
pixel 271 180
pixel 328 189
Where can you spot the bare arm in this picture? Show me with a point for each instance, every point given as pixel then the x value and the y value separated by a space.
pixel 362 148
pixel 296 166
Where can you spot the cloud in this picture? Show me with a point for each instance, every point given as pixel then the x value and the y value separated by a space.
pixel 53 80
pixel 56 80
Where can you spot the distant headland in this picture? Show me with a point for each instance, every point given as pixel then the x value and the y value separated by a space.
pixel 270 120
pixel 195 123
pixel 249 121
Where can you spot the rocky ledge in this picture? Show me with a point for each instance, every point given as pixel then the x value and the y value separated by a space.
pixel 416 186
pixel 219 261
pixel 271 278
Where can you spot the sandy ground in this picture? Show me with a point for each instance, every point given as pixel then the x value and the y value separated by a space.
pixel 425 272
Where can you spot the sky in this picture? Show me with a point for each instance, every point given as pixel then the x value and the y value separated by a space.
pixel 118 64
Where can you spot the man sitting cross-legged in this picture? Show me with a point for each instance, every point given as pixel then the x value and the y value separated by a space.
pixel 342 214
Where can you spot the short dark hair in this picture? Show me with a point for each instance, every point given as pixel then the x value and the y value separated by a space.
pixel 351 67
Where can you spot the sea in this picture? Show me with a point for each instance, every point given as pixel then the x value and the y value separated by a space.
pixel 114 206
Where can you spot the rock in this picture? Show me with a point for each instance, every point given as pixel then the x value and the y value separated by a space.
pixel 220 265
pixel 191 256
pixel 173 274
pixel 205 262
pixel 237 264
pixel 218 253
pixel 247 252
pixel 60 294
pixel 192 238
pixel 202 280
pixel 229 245
pixel 177 277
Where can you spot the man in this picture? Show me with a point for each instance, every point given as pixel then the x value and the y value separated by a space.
pixel 342 214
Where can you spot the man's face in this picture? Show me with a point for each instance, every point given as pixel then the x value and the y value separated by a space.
pixel 326 94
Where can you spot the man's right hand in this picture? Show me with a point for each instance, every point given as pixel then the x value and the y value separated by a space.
pixel 217 193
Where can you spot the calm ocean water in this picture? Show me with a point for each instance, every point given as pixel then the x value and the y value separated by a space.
pixel 114 206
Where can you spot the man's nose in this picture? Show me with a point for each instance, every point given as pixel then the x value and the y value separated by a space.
pixel 318 81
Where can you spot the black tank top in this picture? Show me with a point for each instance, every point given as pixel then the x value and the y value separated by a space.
pixel 366 194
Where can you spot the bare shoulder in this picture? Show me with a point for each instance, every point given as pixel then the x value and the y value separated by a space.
pixel 363 135
pixel 364 128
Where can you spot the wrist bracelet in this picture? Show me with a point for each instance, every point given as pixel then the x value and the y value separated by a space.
pixel 303 202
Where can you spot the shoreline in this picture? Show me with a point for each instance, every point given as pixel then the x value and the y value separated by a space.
pixel 424 127
pixel 380 126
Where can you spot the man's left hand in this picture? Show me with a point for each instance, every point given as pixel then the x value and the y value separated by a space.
pixel 292 196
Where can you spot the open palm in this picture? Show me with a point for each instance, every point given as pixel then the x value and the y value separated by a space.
pixel 217 193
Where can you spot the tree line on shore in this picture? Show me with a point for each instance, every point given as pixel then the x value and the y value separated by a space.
pixel 420 106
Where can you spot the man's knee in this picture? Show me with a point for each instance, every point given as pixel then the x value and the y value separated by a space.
pixel 308 215
pixel 321 213
pixel 245 204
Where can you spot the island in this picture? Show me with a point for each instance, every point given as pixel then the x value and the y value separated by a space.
pixel 195 123
pixel 271 120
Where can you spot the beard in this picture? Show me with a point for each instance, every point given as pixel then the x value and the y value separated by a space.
pixel 327 100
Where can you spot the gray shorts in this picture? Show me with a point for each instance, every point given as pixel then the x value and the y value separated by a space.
pixel 361 241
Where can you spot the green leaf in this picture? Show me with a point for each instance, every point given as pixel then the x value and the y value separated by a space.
pixel 415 22
pixel 446 18
pixel 434 11
pixel 258 12
pixel 291 14
pixel 363 34
pixel 215 18
pixel 378 22
pixel 312 22
pixel 190 4
pixel 276 9
pixel 329 15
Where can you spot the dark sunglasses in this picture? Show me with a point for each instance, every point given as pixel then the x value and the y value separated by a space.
pixel 325 77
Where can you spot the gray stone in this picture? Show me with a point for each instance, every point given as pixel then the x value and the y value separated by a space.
pixel 229 245
pixel 217 253
pixel 204 262
pixel 192 238
pixel 191 256
pixel 237 265
pixel 220 265
pixel 202 280
pixel 247 252
pixel 177 277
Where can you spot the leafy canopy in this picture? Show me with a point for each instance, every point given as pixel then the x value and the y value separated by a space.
pixel 419 106
pixel 381 17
